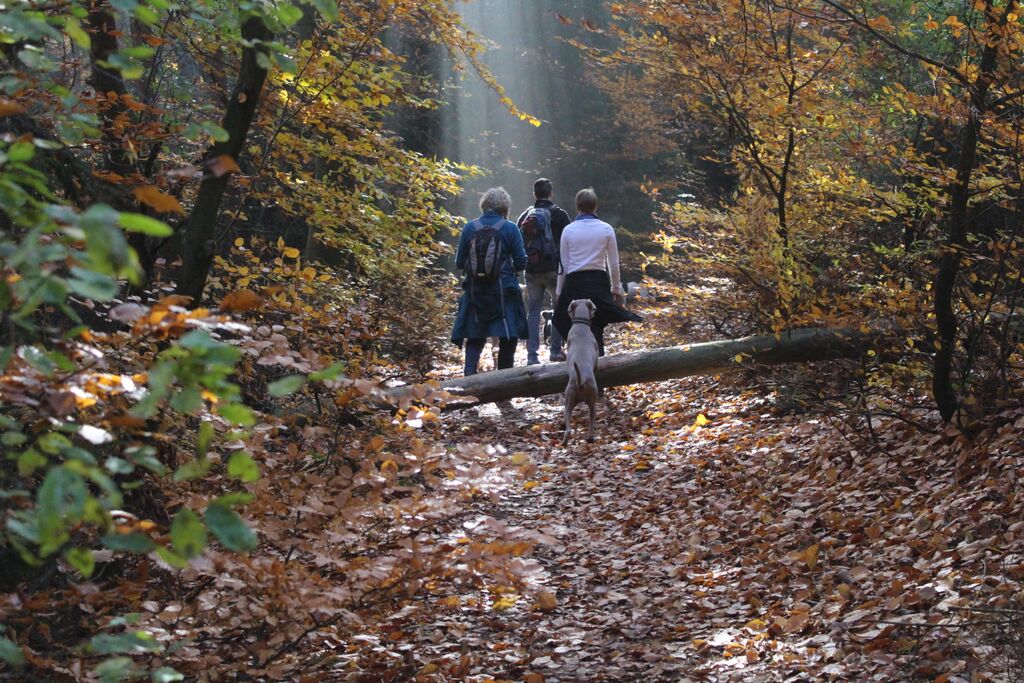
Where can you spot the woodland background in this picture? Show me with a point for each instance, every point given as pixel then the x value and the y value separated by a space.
pixel 224 229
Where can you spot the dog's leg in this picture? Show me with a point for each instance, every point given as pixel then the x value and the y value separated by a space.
pixel 592 404
pixel 570 400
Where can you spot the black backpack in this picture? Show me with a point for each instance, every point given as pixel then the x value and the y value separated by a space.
pixel 539 240
pixel 486 253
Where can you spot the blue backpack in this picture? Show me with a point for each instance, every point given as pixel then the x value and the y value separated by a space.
pixel 539 240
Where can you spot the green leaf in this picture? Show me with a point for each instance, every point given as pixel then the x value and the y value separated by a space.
pixel 242 467
pixel 229 528
pixel 13 438
pixel 192 470
pixel 187 400
pixel 60 501
pixel 11 653
pixel 117 465
pixel 328 9
pixel 37 359
pixel 203 439
pixel 145 456
pixel 214 131
pixel 136 222
pixel 328 373
pixel 286 385
pixel 92 285
pixel 132 543
pixel 165 674
pixel 53 443
pixel 138 51
pixel 21 151
pixel 34 58
pixel 288 14
pixel 236 413
pixel 188 535
pixel 172 558
pixel 30 461
pixel 130 642
pixel 285 63
pixel 74 30
pixel 233 500
pixel 115 670
pixel 146 14
pixel 82 560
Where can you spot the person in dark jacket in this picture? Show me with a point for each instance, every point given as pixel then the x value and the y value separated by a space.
pixel 542 275
pixel 590 270
pixel 491 309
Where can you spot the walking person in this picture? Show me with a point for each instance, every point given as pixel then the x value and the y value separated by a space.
pixel 490 253
pixel 541 226
pixel 590 270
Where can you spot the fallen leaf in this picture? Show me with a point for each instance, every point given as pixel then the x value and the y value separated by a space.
pixel 159 201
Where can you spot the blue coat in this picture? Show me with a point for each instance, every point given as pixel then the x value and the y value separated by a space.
pixel 493 309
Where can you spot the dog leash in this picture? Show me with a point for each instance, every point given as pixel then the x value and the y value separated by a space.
pixel 587 321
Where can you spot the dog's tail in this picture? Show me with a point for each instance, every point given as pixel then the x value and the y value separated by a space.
pixel 579 378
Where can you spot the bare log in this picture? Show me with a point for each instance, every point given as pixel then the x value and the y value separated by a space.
pixel 795 346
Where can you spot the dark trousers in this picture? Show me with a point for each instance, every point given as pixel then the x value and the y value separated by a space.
pixel 506 354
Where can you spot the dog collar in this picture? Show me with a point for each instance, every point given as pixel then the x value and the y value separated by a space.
pixel 586 321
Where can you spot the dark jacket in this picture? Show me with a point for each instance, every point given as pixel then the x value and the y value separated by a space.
pixel 491 309
pixel 559 219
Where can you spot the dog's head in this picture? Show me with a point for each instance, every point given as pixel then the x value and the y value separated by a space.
pixel 582 308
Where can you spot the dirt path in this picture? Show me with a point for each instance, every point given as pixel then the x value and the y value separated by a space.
pixel 616 519
pixel 705 537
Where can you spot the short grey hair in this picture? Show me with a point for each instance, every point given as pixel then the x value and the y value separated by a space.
pixel 496 199
pixel 586 200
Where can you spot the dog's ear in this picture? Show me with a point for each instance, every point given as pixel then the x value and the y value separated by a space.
pixel 591 307
pixel 572 307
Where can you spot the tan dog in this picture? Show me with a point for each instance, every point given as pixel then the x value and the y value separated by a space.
pixel 581 361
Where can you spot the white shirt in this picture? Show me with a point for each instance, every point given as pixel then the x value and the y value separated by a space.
pixel 589 244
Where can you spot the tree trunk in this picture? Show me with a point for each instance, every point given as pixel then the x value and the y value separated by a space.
pixel 108 82
pixel 959 220
pixel 199 236
pixel 797 346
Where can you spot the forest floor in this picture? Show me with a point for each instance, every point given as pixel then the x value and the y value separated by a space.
pixel 708 534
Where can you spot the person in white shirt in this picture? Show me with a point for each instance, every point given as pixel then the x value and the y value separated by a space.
pixel 589 269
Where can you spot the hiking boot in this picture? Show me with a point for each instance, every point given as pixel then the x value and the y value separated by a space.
pixel 557 357
pixel 533 361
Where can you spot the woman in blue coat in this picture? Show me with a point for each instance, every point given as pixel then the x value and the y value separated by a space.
pixel 491 308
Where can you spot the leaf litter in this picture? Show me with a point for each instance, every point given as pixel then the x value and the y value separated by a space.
pixel 709 536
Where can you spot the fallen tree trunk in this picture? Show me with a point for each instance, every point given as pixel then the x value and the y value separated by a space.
pixel 796 346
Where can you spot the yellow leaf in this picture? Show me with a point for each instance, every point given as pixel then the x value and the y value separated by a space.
pixel 240 300
pixel 520 458
pixel 701 420
pixel 811 556
pixel 291 252
pixel 505 602
pixel 161 202
pixel 529 485
pixel 239 242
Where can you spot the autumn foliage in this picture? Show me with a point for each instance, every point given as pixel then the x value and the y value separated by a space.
pixel 218 256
